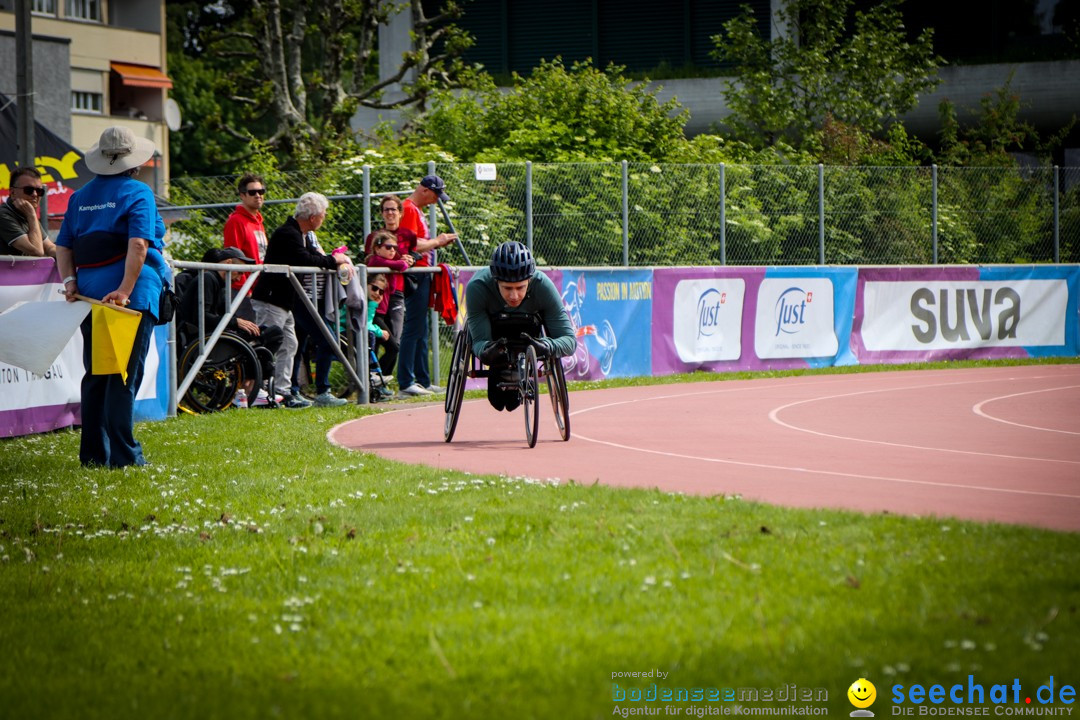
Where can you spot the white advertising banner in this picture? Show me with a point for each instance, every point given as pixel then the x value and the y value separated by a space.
pixel 59 384
pixel 795 318
pixel 927 315
pixel 707 322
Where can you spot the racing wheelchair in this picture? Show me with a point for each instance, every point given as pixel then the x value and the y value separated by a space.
pixel 526 371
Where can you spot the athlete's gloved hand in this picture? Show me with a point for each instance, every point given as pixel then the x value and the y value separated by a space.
pixel 494 352
pixel 540 345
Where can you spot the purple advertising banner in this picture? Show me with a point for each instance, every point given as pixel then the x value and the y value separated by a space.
pixel 751 318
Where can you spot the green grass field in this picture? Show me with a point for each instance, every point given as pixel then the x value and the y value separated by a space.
pixel 256 571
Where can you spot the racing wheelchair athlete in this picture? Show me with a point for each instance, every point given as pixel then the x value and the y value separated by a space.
pixel 515 325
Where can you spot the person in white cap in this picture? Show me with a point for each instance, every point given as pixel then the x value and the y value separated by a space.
pixel 110 249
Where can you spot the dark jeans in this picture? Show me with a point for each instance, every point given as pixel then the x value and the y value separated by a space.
pixel 108 404
pixel 390 347
pixel 394 322
pixel 324 352
pixel 413 357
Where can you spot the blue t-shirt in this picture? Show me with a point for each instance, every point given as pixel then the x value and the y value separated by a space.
pixel 122 205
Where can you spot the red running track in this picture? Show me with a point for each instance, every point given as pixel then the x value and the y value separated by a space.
pixel 999 444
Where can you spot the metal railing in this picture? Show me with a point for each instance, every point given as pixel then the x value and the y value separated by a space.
pixel 356 367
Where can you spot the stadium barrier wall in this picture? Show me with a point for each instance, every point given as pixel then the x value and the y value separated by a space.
pixel 636 321
pixel 669 320
pixel 32 403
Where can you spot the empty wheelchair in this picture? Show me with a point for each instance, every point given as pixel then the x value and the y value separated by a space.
pixel 526 372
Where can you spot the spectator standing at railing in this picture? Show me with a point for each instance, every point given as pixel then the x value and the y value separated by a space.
pixel 21 232
pixel 320 291
pixel 413 376
pixel 390 208
pixel 244 229
pixel 109 249
pixel 386 253
pixel 274 296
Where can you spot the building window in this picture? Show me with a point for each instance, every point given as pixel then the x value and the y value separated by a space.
pixel 84 10
pixel 43 7
pixel 86 102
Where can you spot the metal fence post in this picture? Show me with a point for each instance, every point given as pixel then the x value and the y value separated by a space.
pixel 1057 216
pixel 528 205
pixel 933 209
pixel 821 212
pixel 723 216
pixel 625 215
pixel 367 201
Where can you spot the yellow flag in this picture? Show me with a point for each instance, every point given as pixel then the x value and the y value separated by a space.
pixel 113 333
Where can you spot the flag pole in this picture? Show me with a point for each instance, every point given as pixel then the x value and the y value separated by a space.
pixel 111 306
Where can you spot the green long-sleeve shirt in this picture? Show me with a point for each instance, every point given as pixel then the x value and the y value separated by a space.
pixel 482 301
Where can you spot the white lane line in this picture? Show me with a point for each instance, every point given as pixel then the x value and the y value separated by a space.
pixel 978 410
pixel 774 416
pixel 905 481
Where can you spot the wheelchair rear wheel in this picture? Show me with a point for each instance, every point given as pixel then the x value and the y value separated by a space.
pixel 230 364
pixel 560 399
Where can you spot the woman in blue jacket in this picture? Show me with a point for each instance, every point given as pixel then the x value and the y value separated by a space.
pixel 110 249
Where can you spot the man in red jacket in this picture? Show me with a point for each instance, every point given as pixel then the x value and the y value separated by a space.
pixel 414 378
pixel 244 228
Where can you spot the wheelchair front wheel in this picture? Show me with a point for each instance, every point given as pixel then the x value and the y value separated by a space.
pixel 460 360
pixel 530 394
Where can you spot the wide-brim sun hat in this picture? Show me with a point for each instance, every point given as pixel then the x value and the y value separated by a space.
pixel 118 150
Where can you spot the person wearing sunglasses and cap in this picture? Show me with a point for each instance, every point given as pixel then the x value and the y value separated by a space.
pixel 110 249
pixel 20 230
pixel 414 377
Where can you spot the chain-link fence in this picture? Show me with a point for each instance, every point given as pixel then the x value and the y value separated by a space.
pixel 640 214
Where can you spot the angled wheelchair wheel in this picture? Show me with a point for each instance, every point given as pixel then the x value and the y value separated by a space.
pixel 530 394
pixel 460 362
pixel 231 363
pixel 560 398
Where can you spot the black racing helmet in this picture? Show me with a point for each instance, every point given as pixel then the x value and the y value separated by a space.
pixel 512 262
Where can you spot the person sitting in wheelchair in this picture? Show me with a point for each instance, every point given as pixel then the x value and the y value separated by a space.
pixel 508 304
pixel 242 324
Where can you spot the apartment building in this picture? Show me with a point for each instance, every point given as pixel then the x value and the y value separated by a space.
pixel 97 63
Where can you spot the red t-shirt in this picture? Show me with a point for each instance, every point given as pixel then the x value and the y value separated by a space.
pixel 412 219
pixel 245 231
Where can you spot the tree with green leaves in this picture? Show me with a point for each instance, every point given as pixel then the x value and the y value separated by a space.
pixel 556 114
pixel 293 72
pixel 859 68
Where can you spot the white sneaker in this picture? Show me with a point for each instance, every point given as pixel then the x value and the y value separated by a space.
pixel 264 399
pixel 433 388
pixel 416 390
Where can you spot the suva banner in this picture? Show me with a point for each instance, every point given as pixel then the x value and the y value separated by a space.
pixel 916 314
pixel 751 318
pixel 31 403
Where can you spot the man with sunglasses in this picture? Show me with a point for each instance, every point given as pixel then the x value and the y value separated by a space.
pixel 20 230
pixel 244 229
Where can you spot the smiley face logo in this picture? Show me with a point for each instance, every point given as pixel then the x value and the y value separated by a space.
pixel 862 694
